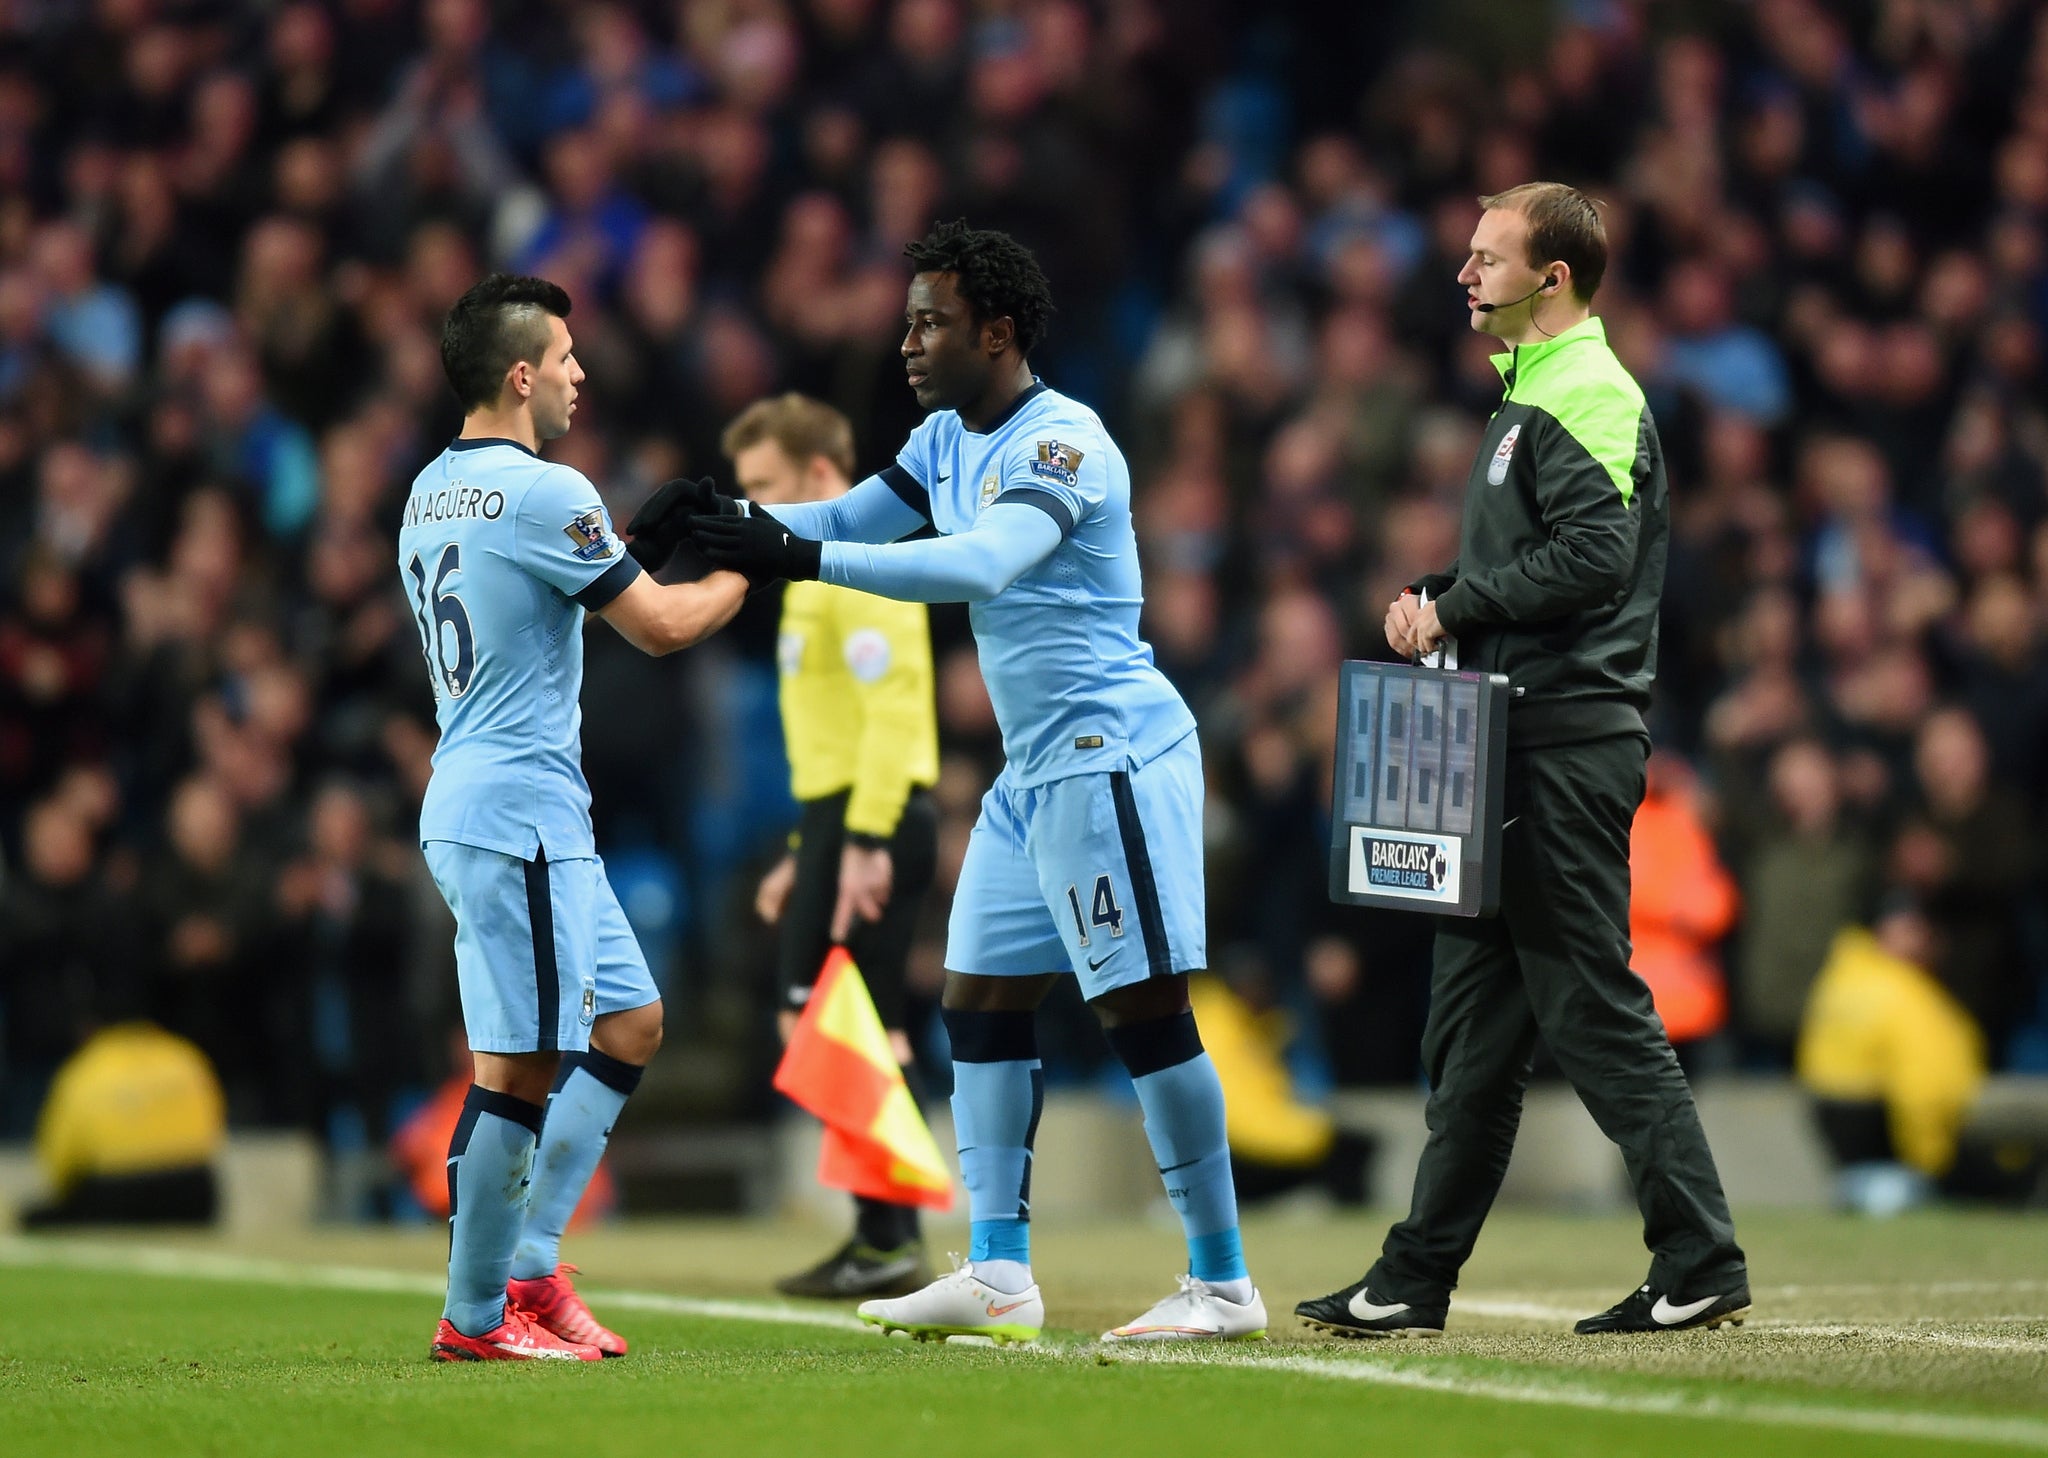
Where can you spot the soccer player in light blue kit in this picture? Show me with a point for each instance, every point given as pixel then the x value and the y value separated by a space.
pixel 501 554
pixel 1088 851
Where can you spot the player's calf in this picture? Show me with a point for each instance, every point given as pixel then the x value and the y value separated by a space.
pixel 1182 1098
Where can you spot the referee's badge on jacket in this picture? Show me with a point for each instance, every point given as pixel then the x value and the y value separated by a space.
pixel 1503 453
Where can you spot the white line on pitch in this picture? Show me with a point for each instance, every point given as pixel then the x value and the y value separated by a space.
pixel 1878 1330
pixel 1536 1388
pixel 212 1266
pixel 1548 1391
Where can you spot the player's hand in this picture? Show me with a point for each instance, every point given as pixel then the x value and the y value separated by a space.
pixel 773 892
pixel 1401 614
pixel 756 545
pixel 663 518
pixel 866 876
pixel 1429 633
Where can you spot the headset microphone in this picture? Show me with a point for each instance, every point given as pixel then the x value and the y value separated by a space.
pixel 1549 282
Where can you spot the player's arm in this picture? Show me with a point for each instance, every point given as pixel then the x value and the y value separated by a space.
pixel 1008 540
pixel 564 537
pixel 885 507
pixel 660 619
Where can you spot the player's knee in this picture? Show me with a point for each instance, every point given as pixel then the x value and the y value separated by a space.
pixel 527 1076
pixel 966 992
pixel 1143 1002
pixel 632 1036
pixel 1155 1044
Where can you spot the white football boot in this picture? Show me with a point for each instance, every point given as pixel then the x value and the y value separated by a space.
pixel 961 1304
pixel 1196 1313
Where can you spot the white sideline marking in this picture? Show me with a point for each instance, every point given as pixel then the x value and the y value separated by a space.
pixel 1887 1330
pixel 211 1266
pixel 1930 1288
pixel 1545 1391
pixel 1540 1389
pixel 1515 1310
pixel 1877 1332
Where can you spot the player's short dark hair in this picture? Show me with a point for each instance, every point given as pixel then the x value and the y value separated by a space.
pixel 502 320
pixel 1563 225
pixel 997 276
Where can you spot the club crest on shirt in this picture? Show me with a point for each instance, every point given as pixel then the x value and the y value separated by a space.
pixel 991 486
pixel 592 537
pixel 1503 453
pixel 1057 461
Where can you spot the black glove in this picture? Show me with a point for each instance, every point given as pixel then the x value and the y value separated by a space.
pixel 757 546
pixel 663 518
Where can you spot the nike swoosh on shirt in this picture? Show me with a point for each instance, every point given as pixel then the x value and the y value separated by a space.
pixel 1095 966
pixel 1366 1310
pixel 1665 1314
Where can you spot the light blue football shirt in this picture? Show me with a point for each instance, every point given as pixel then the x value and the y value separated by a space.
pixel 500 553
pixel 1074 687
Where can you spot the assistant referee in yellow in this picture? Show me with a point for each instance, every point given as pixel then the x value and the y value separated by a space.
pixel 862 733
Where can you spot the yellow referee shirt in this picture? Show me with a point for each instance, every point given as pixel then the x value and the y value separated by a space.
pixel 133 1100
pixel 857 708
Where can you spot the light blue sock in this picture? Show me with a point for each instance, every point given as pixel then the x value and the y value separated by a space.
pixel 998 1091
pixel 589 1092
pixel 490 1162
pixel 1183 1103
pixel 1184 1121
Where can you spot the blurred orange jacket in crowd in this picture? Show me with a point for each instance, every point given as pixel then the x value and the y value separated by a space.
pixel 1682 903
pixel 420 1150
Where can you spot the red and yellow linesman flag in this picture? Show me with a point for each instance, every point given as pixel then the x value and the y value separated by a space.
pixel 839 1066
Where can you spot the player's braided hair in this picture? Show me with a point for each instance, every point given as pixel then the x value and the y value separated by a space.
pixel 998 276
pixel 502 320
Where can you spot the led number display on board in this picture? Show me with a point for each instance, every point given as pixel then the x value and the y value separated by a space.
pixel 1415 819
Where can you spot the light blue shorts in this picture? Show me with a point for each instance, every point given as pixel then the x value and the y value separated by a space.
pixel 542 948
pixel 1101 873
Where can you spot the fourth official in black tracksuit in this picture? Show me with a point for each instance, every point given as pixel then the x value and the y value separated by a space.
pixel 1559 571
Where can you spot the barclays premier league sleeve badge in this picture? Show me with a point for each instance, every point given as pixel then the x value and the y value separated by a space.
pixel 592 537
pixel 1057 461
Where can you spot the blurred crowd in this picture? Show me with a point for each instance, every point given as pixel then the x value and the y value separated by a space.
pixel 228 233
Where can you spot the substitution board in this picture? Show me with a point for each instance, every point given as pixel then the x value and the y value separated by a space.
pixel 1415 820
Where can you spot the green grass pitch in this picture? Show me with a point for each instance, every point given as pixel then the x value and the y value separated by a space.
pixel 1921 1335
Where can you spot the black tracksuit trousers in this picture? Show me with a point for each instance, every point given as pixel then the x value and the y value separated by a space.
pixel 1555 961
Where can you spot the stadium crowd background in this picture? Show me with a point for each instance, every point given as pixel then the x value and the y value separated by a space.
pixel 228 233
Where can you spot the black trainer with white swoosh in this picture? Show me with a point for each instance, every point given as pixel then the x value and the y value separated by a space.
pixel 1646 1310
pixel 1357 1311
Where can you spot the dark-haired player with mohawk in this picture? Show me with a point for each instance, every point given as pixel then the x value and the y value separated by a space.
pixel 1088 852
pixel 501 554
